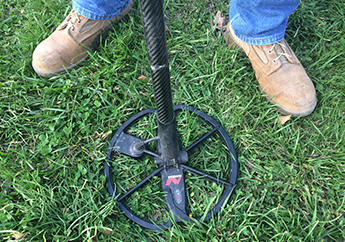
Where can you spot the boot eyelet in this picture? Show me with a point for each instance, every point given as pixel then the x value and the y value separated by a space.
pixel 274 61
pixel 270 52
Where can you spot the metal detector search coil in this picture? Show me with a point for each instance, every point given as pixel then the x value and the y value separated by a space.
pixel 171 161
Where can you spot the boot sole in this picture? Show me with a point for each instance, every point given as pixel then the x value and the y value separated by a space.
pixel 301 113
pixel 287 111
pixel 94 46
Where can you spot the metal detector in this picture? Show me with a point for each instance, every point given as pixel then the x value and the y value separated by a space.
pixel 171 160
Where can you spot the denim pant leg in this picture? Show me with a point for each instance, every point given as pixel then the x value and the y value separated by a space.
pixel 261 22
pixel 99 9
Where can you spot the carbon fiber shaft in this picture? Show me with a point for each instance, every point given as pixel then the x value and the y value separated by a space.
pixel 152 14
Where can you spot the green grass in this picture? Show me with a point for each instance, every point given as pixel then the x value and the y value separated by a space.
pixel 54 132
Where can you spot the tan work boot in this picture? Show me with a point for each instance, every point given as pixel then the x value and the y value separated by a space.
pixel 69 44
pixel 280 75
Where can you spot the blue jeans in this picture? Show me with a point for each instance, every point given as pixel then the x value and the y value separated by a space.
pixel 99 9
pixel 261 22
pixel 256 22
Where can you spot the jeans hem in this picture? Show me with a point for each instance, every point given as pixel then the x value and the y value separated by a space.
pixel 262 41
pixel 267 40
pixel 89 14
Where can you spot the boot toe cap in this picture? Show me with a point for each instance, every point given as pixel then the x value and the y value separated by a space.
pixel 46 60
pixel 299 100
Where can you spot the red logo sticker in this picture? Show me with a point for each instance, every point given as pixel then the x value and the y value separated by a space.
pixel 174 179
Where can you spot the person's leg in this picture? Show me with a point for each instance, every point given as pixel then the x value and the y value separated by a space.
pixel 99 9
pixel 78 34
pixel 261 22
pixel 258 27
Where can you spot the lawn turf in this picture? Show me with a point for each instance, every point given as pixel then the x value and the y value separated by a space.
pixel 54 132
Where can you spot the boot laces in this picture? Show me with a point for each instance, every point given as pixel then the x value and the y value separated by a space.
pixel 70 20
pixel 280 53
